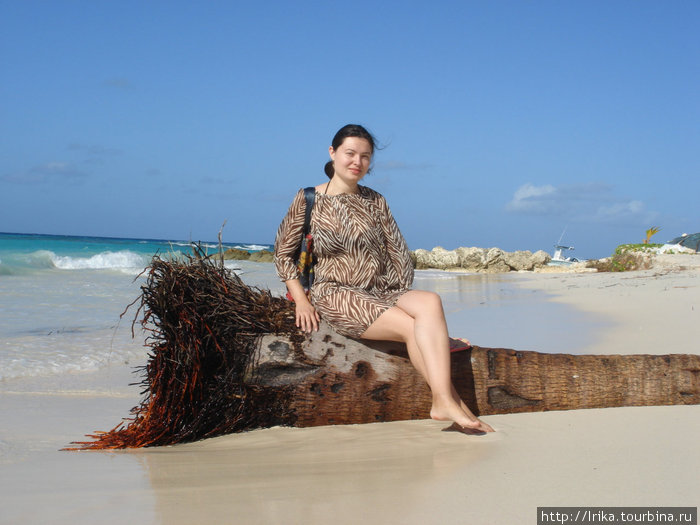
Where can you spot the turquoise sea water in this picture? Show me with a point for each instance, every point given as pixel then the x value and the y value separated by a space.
pixel 29 253
pixel 61 298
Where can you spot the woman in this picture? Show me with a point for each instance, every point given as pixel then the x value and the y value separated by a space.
pixel 364 273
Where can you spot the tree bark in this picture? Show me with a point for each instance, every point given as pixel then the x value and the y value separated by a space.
pixel 331 379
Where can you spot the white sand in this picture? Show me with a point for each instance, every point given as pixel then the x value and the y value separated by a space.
pixel 657 311
pixel 404 472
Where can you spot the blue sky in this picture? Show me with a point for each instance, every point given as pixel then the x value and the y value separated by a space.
pixel 503 123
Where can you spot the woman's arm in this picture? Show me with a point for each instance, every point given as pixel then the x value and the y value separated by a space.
pixel 288 239
pixel 287 244
pixel 396 247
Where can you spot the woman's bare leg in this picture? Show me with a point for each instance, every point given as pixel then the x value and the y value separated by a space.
pixel 419 321
pixel 417 361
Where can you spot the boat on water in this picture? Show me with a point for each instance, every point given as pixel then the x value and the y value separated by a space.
pixel 558 259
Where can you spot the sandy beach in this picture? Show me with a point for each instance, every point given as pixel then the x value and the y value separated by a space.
pixel 384 473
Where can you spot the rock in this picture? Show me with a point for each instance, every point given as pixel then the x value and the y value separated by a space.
pixel 442 259
pixel 471 259
pixel 262 256
pixel 519 260
pixel 438 258
pixel 526 260
pixel 236 254
pixel 243 255
pixel 492 260
pixel 541 258
pixel 495 261
pixel 420 257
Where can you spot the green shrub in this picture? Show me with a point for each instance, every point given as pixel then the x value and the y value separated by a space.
pixel 638 248
pixel 621 262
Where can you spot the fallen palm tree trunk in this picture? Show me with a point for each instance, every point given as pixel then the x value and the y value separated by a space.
pixel 225 357
pixel 336 380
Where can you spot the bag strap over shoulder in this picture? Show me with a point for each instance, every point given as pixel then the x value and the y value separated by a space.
pixel 310 195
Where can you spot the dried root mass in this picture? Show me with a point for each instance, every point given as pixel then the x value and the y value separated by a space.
pixel 203 324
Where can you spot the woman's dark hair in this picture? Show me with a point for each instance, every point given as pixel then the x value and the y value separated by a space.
pixel 349 130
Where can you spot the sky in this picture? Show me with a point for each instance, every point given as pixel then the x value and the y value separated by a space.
pixel 511 124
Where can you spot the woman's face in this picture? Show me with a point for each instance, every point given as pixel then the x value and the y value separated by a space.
pixel 351 160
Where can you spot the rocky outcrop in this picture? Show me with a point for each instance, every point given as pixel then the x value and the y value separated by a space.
pixel 485 260
pixel 243 255
pixel 262 256
pixel 236 254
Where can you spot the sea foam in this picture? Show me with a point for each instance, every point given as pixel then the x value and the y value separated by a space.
pixel 102 261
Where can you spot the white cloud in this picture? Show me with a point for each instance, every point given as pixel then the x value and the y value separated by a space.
pixel 630 211
pixel 593 202
pixel 529 198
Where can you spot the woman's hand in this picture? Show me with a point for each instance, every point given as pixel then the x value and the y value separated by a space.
pixel 307 317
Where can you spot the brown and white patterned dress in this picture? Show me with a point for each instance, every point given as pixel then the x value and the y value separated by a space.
pixel 363 264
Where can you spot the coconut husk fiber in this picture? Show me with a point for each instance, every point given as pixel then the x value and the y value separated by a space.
pixel 202 324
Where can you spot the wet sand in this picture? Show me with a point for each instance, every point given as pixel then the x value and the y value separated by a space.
pixel 403 472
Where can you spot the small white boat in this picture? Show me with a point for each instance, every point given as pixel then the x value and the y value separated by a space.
pixel 558 258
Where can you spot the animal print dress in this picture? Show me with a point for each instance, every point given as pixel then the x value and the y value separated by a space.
pixel 363 264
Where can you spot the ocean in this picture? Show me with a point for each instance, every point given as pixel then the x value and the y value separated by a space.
pixel 22 254
pixel 61 298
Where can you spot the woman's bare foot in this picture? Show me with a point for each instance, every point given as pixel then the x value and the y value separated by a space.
pixel 453 412
pixel 483 427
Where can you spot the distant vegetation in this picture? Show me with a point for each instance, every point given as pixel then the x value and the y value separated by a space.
pixel 627 257
pixel 637 248
pixel 621 262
